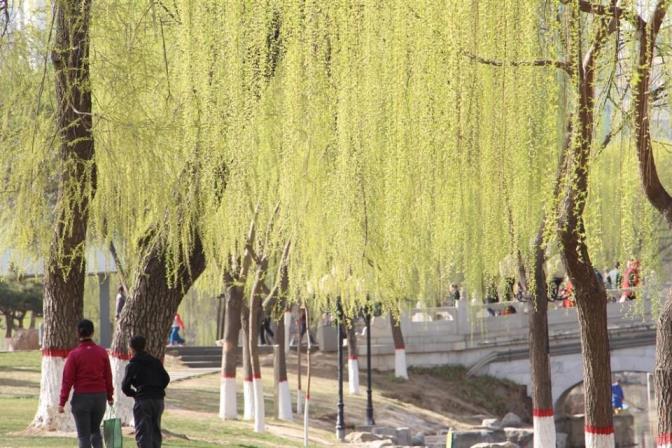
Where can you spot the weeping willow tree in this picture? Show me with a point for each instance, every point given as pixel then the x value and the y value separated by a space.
pixel 399 142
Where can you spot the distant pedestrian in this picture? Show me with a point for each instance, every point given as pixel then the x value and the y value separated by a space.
pixel 87 370
pixel 630 281
pixel 145 380
pixel 614 277
pixel 120 302
pixel 617 396
pixel 175 338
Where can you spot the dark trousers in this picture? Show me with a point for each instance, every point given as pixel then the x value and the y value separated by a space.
pixel 88 410
pixel 147 414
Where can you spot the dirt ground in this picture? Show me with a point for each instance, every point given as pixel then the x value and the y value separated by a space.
pixel 431 400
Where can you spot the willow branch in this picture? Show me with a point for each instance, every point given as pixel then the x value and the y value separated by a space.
pixel 531 63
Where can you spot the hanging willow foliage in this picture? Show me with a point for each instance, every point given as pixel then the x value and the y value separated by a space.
pixel 405 143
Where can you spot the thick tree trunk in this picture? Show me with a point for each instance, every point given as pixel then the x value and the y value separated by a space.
pixel 232 323
pixel 248 390
pixel 400 368
pixel 150 311
pixel 353 360
pixel 65 265
pixel 284 404
pixel 540 366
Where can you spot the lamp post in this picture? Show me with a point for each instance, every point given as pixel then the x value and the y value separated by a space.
pixel 340 419
pixel 369 399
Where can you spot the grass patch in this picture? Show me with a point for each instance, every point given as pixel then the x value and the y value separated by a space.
pixel 192 412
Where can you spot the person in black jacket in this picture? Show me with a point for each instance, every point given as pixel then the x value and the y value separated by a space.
pixel 145 381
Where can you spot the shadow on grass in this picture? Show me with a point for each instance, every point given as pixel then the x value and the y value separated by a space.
pixel 10 382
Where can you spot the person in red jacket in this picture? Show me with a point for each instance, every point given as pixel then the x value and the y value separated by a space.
pixel 87 370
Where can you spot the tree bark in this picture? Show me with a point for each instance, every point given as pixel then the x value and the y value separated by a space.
pixel 661 200
pixel 540 366
pixel 400 367
pixel 353 359
pixel 248 392
pixel 65 265
pixel 232 324
pixel 253 340
pixel 150 310
pixel 9 324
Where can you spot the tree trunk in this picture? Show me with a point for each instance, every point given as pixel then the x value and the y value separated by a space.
pixel 400 368
pixel 65 264
pixel 540 366
pixel 150 311
pixel 248 390
pixel 9 324
pixel 232 323
pixel 284 404
pixel 353 360
pixel 299 392
pixel 663 376
pixel 591 302
pixel 253 340
pixel 33 319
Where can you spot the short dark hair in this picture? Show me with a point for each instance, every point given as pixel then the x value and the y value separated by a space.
pixel 121 288
pixel 85 328
pixel 138 343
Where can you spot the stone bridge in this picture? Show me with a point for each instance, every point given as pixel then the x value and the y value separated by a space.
pixel 498 345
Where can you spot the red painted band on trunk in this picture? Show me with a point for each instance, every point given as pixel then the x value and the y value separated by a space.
pixel 257 376
pixel 542 412
pixel 282 381
pixel 229 376
pixel 353 357
pixel 55 352
pixel 248 379
pixel 122 356
pixel 400 347
pixel 603 430
pixel 664 438
pixel 307 397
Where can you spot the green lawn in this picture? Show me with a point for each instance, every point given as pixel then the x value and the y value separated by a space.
pixel 194 425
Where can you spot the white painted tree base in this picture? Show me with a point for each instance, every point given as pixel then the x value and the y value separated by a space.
pixel 544 431
pixel 299 402
pixel 284 401
pixel 47 416
pixel 248 398
pixel 227 399
pixel 400 370
pixel 123 405
pixel 600 440
pixel 259 408
pixel 353 376
pixel 305 422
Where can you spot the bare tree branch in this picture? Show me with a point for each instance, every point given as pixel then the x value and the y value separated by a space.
pixel 531 63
